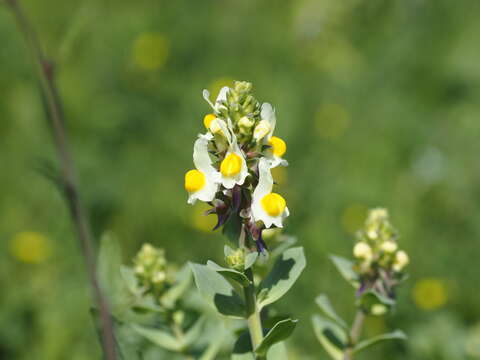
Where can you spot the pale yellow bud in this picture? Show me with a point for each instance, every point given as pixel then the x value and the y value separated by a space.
pixel 378 309
pixel 245 122
pixel 389 246
pixel 362 251
pixel 261 130
pixel 139 270
pixel 401 260
pixel 158 277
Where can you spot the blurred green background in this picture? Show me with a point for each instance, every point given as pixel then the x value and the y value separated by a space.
pixel 378 103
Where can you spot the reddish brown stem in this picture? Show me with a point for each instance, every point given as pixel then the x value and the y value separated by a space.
pixel 53 101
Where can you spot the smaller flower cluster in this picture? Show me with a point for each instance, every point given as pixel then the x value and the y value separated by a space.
pixel 233 162
pixel 151 269
pixel 377 245
pixel 379 262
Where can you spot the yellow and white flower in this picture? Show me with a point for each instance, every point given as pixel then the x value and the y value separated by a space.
pixel 264 132
pixel 233 168
pixel 202 183
pixel 270 208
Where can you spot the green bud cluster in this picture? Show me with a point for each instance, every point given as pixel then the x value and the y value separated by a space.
pixel 242 108
pixel 377 244
pixel 236 260
pixel 150 266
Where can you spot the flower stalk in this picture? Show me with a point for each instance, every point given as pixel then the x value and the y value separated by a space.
pixel 355 333
pixel 253 315
pixel 55 114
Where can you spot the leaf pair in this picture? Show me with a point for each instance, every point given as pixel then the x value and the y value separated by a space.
pixel 333 332
pixel 167 341
pixel 211 280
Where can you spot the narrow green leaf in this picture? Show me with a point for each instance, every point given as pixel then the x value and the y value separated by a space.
pixel 285 242
pixel 280 331
pixel 158 337
pixel 283 275
pixel 108 266
pixel 110 278
pixel 182 284
pixel 227 250
pixel 277 352
pixel 242 349
pixel 332 337
pixel 324 303
pixel 394 335
pixel 250 259
pixel 193 333
pixel 229 273
pixel 218 291
pixel 345 267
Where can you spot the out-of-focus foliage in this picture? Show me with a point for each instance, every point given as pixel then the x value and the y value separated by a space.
pixel 378 103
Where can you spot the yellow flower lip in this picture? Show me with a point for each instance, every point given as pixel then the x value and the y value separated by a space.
pixel 194 180
pixel 231 165
pixel 207 120
pixel 279 147
pixel 273 204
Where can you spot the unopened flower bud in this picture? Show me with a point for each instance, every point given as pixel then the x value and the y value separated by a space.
pixel 401 260
pixel 178 317
pixel 243 86
pixel 261 130
pixel 389 246
pixel 378 309
pixel 245 122
pixel 377 214
pixel 158 277
pixel 139 270
pixel 236 260
pixel 362 251
pixel 270 233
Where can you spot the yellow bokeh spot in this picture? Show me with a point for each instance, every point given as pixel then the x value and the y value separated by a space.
pixel 231 165
pixel 353 217
pixel 200 221
pixel 273 204
pixel 194 180
pixel 207 120
pixel 150 51
pixel 30 247
pixel 279 147
pixel 217 84
pixel 331 121
pixel 280 175
pixel 430 293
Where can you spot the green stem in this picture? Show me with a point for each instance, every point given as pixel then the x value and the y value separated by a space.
pixel 253 314
pixel 355 333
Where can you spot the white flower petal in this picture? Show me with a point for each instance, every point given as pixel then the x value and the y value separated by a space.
pixel 277 161
pixel 222 95
pixel 201 157
pixel 268 113
pixel 206 96
pixel 207 193
pixel 264 187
